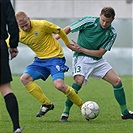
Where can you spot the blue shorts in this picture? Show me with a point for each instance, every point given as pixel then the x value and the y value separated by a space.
pixel 42 68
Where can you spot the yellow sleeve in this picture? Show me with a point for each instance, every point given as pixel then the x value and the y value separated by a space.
pixel 7 42
pixel 53 28
pixel 63 36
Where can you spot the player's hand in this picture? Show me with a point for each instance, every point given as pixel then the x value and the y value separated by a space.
pixel 75 47
pixel 13 52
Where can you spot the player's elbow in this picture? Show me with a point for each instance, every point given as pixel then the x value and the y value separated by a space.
pixel 99 55
pixel 67 29
pixel 100 52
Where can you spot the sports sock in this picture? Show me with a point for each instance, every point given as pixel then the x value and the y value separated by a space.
pixel 120 97
pixel 69 103
pixel 71 94
pixel 37 92
pixel 12 108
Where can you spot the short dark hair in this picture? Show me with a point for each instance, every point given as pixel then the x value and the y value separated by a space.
pixel 108 12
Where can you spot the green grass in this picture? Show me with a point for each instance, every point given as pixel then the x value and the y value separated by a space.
pixel 108 121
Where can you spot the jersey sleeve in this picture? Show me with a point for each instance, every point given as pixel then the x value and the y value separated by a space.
pixel 82 23
pixel 55 29
pixel 50 27
pixel 108 45
pixel 64 37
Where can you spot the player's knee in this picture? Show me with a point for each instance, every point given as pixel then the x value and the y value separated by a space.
pixel 79 80
pixel 22 79
pixel 59 85
pixel 117 82
pixel 25 79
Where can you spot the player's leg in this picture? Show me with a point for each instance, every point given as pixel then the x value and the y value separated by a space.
pixel 33 73
pixel 58 79
pixel 68 103
pixel 5 87
pixel 11 104
pixel 34 89
pixel 79 77
pixel 67 90
pixel 119 93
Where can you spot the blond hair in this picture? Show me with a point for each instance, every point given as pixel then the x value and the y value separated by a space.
pixel 21 16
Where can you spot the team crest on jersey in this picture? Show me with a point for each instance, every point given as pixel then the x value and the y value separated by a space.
pixel 36 33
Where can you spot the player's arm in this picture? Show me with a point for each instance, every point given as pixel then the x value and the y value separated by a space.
pixel 96 53
pixel 101 51
pixel 67 31
pixel 63 36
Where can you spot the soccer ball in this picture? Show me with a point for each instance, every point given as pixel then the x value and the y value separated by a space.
pixel 90 110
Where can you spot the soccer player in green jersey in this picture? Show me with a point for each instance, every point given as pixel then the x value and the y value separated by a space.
pixel 96 37
pixel 49 60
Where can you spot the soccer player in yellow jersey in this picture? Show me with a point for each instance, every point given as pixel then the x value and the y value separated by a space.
pixel 49 60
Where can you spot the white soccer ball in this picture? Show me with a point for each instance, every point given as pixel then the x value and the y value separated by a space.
pixel 90 110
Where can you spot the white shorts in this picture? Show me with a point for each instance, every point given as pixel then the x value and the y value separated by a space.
pixel 86 66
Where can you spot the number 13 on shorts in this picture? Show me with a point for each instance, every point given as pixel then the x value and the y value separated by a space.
pixel 77 69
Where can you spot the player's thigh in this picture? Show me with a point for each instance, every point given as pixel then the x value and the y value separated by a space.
pixel 101 68
pixel 82 66
pixel 112 77
pixel 37 72
pixel 57 65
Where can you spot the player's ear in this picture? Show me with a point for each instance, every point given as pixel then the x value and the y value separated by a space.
pixel 28 18
pixel 113 19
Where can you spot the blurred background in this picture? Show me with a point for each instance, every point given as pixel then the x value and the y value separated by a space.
pixel 64 12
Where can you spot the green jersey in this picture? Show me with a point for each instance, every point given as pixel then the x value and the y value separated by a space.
pixel 92 36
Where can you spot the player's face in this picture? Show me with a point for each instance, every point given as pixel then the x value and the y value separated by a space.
pixel 105 22
pixel 25 25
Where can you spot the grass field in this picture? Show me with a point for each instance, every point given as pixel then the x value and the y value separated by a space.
pixel 108 121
